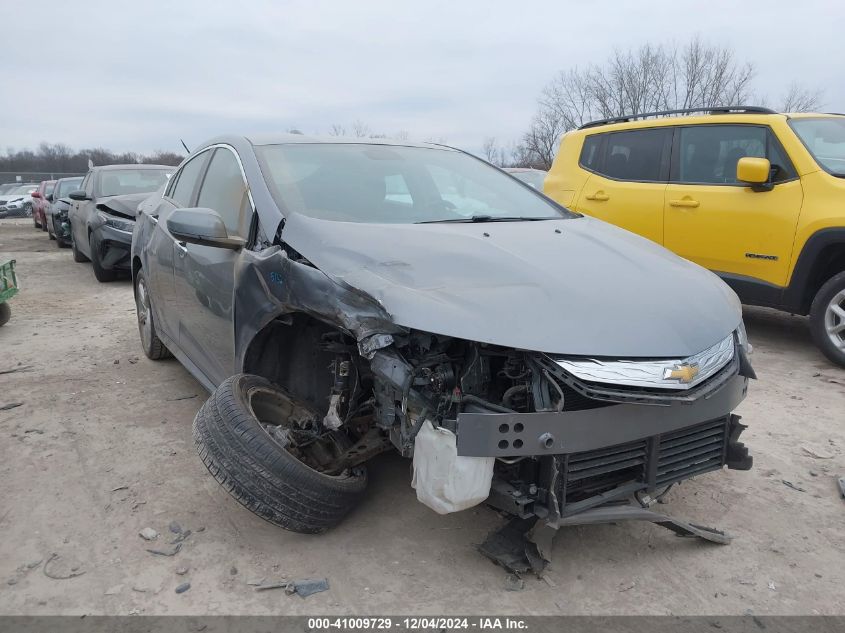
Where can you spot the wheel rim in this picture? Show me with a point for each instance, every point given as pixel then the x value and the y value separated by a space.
pixel 834 320
pixel 286 423
pixel 142 305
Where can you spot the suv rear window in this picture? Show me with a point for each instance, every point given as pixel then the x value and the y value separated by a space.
pixel 638 155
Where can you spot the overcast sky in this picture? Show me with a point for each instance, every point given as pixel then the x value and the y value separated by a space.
pixel 139 76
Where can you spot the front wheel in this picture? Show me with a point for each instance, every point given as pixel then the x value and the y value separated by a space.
pixel 27 210
pixel 5 313
pixel 101 274
pixel 827 319
pixel 259 443
pixel 78 257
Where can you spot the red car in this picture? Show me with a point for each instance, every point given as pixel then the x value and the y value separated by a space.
pixel 40 202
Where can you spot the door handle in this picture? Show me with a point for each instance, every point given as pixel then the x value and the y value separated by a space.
pixel 599 196
pixel 688 203
pixel 182 246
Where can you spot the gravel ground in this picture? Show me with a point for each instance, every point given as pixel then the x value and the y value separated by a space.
pixel 101 448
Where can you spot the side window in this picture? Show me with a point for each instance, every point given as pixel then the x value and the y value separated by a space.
pixel 636 155
pixel 183 189
pixel 87 185
pixel 590 152
pixel 709 153
pixel 225 191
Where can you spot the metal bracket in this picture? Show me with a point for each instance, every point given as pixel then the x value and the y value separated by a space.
pixel 612 514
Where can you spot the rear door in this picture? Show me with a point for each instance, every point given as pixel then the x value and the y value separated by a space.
pixel 204 275
pixel 629 172
pixel 720 223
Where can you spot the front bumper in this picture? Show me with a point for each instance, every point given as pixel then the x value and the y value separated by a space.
pixel 587 458
pixel 114 248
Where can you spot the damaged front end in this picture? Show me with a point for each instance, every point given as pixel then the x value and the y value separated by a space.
pixel 539 436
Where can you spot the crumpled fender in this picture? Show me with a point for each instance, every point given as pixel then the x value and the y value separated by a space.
pixel 268 284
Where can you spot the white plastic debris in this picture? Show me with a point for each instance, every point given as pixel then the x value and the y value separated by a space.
pixel 444 481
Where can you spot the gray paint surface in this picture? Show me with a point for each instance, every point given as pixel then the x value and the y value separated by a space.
pixel 592 289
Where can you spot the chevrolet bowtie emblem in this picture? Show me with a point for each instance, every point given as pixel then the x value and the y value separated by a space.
pixel 683 373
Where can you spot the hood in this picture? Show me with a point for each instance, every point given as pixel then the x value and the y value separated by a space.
pixel 125 206
pixel 571 287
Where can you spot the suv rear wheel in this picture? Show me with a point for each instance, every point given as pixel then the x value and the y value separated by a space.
pixel 827 319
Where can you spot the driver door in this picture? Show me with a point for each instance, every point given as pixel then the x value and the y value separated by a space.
pixel 204 275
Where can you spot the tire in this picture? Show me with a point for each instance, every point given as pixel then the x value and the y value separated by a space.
pixel 49 232
pixel 44 226
pixel 150 342
pixel 828 311
pixel 100 274
pixel 78 257
pixel 27 211
pixel 5 313
pixel 262 475
pixel 35 222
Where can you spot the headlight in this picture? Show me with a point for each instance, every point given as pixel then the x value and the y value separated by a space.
pixel 742 337
pixel 13 205
pixel 117 223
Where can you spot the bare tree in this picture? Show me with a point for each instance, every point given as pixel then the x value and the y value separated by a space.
pixel 360 129
pixel 337 130
pixel 646 79
pixel 801 99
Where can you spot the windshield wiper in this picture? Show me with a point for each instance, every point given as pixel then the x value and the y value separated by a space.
pixel 487 218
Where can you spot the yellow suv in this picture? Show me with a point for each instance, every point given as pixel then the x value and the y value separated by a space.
pixel 756 196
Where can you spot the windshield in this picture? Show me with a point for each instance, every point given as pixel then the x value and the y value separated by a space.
pixel 66 186
pixel 395 184
pixel 24 191
pixel 118 182
pixel 533 177
pixel 48 188
pixel 824 137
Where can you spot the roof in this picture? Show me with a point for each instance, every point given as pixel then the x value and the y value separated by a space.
pixel 658 119
pixel 291 139
pixel 130 166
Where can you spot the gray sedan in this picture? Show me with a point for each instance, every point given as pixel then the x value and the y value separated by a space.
pixel 341 298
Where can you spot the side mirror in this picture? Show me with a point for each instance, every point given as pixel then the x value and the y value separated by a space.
pixel 35 194
pixel 755 172
pixel 201 226
pixel 49 197
pixel 78 194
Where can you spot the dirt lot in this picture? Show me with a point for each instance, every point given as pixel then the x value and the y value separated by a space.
pixel 101 448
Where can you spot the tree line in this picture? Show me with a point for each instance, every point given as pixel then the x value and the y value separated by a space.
pixel 634 81
pixel 58 158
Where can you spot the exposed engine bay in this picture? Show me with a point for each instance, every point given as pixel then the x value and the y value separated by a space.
pixel 478 395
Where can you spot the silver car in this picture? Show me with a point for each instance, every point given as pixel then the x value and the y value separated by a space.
pixel 343 298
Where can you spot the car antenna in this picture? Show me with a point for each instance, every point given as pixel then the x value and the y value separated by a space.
pixel 185 146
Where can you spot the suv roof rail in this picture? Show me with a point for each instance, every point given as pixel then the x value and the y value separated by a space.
pixel 711 110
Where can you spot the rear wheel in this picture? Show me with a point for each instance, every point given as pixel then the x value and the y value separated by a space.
pixel 827 319
pixel 153 347
pixel 259 443
pixel 5 313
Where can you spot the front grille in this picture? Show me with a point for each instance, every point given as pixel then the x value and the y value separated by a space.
pixel 594 472
pixel 591 478
pixel 691 451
